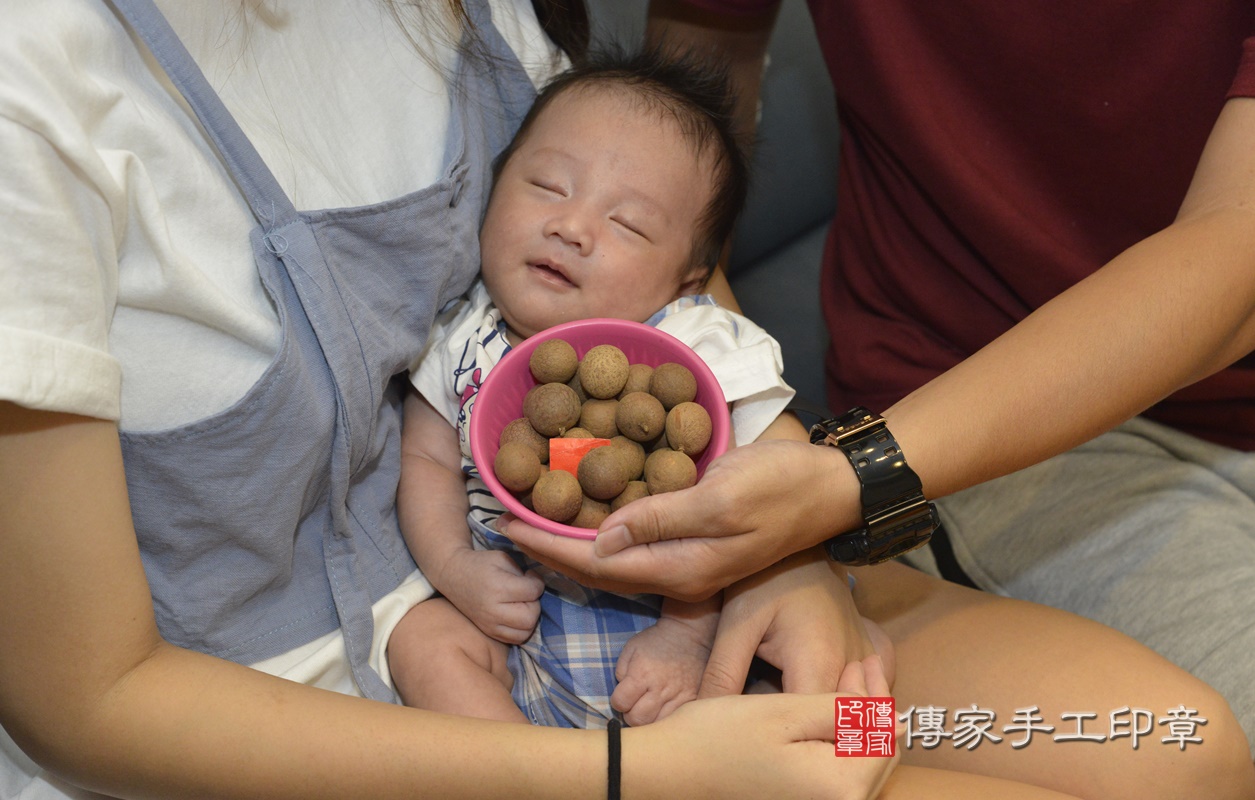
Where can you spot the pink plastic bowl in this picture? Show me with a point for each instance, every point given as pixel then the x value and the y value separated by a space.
pixel 500 398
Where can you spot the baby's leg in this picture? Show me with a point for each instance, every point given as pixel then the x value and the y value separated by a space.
pixel 440 661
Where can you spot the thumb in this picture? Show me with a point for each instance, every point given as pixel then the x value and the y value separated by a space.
pixel 874 670
pixel 672 515
pixel 535 585
pixel 729 663
pixel 853 679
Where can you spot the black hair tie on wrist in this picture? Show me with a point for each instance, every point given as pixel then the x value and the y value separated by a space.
pixel 614 771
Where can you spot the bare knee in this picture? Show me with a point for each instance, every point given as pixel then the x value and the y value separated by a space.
pixel 1220 766
pixel 950 640
pixel 434 641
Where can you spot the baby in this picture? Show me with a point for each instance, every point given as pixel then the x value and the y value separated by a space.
pixel 613 200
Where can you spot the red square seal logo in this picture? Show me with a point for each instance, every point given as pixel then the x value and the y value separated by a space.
pixel 864 727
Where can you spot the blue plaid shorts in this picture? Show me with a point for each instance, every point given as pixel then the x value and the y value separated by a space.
pixel 564 674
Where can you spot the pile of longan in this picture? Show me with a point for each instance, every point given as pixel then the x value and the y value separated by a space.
pixel 655 430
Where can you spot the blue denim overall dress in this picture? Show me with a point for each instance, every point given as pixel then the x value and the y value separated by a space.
pixel 273 523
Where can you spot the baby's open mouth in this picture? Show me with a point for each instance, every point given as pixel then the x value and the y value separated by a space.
pixel 551 273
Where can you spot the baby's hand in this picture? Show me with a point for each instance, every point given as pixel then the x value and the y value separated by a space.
pixel 490 589
pixel 660 669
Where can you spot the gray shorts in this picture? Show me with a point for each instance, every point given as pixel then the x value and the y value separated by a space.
pixel 1145 529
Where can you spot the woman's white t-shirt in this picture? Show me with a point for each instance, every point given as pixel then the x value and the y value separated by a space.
pixel 128 289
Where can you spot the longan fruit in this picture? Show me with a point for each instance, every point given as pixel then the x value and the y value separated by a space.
pixel 520 430
pixel 526 497
pixel 552 408
pixel 604 371
pixel 578 433
pixel 657 444
pixel 633 454
pixel 591 513
pixel 602 473
pixel 516 466
pixel 641 417
pixel 688 428
pixel 553 361
pixel 557 496
pixel 578 387
pixel 635 490
pixel 598 416
pixel 638 379
pixel 673 384
pixel 669 471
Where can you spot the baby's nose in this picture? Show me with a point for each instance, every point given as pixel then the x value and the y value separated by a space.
pixel 573 228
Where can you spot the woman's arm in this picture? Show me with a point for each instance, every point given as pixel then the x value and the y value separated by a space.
pixel 1169 311
pixel 90 691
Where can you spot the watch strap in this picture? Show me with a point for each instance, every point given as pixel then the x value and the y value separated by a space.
pixel 897 517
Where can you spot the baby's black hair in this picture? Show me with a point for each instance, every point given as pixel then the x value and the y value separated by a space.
pixel 696 92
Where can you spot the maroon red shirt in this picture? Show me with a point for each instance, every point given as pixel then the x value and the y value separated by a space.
pixel 993 153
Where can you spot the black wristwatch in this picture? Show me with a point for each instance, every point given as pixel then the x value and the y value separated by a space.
pixel 897 517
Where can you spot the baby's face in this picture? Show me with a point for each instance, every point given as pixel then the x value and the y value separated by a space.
pixel 594 215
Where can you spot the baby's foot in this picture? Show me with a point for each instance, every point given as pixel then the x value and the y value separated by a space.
pixel 659 670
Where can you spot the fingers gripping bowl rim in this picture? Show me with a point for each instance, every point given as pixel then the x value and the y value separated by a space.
pixel 500 398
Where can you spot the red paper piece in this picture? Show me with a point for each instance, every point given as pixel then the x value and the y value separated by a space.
pixel 565 454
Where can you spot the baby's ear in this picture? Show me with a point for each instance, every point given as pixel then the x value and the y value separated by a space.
pixel 694 280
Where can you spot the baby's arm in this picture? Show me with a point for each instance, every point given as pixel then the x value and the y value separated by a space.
pixel 660 668
pixel 485 585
